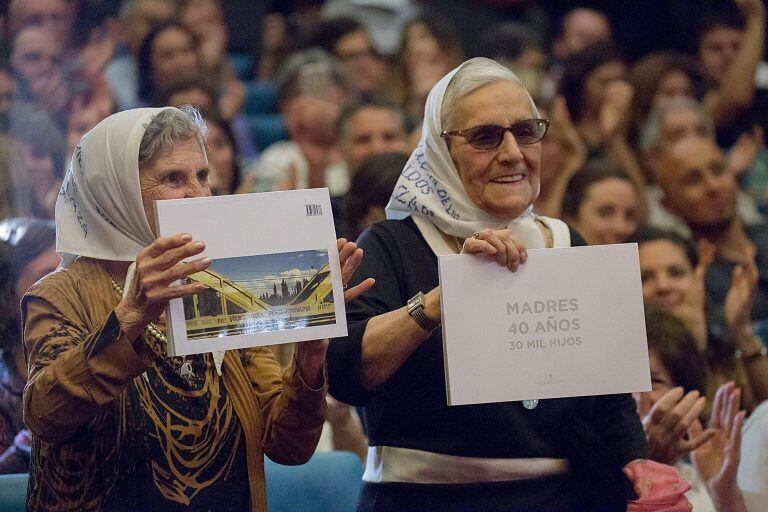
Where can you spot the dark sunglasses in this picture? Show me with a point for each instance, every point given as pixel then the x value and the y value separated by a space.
pixel 489 136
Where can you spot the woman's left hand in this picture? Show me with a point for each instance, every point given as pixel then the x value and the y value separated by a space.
pixel 498 244
pixel 310 355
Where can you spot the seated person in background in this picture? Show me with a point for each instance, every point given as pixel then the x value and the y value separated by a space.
pixel 110 413
pixel 369 128
pixel 37 160
pixel 730 47
pixel 699 189
pixel 594 85
pixel 311 92
pixel 372 186
pixel 673 273
pixel 602 203
pixel 201 93
pixel 347 40
pixel 677 120
pixel 520 48
pixel 671 414
pixel 28 253
pixel 223 155
pixel 480 152
pixel 579 28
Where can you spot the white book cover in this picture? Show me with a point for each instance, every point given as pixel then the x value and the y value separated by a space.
pixel 275 276
pixel 569 322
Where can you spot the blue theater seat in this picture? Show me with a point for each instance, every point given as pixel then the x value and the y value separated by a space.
pixel 266 129
pixel 329 482
pixel 260 99
pixel 13 492
pixel 242 62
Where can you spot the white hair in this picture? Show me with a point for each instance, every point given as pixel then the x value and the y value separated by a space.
pixel 473 74
pixel 650 136
pixel 170 126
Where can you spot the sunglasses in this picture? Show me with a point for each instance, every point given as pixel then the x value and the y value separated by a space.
pixel 489 136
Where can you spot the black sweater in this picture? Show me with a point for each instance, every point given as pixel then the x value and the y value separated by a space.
pixel 410 409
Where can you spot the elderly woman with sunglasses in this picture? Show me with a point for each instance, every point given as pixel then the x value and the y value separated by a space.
pixel 468 187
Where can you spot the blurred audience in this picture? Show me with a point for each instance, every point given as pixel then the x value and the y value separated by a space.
pixel 602 203
pixel 673 274
pixel 372 186
pixel 430 48
pixel 671 417
pixel 698 188
pixel 369 128
pixel 348 40
pixel 311 89
pixel 27 253
pixel 579 28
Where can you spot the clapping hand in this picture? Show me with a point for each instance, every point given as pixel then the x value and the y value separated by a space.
pixel 310 355
pixel 741 295
pixel 667 421
pixel 717 461
pixel 691 310
pixel 615 108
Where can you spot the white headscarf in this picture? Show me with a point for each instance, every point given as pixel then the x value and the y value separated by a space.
pixel 430 187
pixel 99 211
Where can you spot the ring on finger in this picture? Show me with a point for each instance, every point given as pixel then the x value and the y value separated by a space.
pixel 476 235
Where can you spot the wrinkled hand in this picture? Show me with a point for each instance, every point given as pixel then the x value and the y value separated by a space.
pixel 667 421
pixel 615 108
pixel 497 244
pixel 741 296
pixel 742 154
pixel 310 355
pixel 717 461
pixel 157 267
pixel 350 258
pixel 691 310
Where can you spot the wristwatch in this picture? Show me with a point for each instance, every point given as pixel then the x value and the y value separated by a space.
pixel 416 310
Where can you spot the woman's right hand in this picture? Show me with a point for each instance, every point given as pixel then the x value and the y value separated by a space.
pixel 498 244
pixel 157 266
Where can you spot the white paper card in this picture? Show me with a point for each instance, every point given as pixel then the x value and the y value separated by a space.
pixel 275 276
pixel 569 322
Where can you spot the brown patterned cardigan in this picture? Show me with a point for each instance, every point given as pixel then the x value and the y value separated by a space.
pixel 94 398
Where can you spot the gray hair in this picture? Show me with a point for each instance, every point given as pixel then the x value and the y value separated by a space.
pixel 287 76
pixel 472 75
pixel 169 126
pixel 650 135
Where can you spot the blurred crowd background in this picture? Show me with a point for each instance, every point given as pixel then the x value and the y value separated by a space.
pixel 657 116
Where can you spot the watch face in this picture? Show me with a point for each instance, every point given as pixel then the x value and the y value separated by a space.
pixel 415 301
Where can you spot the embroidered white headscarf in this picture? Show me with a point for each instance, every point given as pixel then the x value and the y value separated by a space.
pixel 430 188
pixel 99 211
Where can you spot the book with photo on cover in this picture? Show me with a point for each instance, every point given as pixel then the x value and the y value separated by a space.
pixel 275 275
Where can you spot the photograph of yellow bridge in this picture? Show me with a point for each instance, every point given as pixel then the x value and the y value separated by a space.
pixel 262 293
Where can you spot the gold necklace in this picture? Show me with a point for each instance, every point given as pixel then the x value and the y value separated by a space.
pixel 185 371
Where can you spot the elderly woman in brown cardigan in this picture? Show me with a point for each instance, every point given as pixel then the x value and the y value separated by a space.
pixel 116 424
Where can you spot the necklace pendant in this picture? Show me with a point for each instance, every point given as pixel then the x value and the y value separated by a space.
pixel 530 404
pixel 186 372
